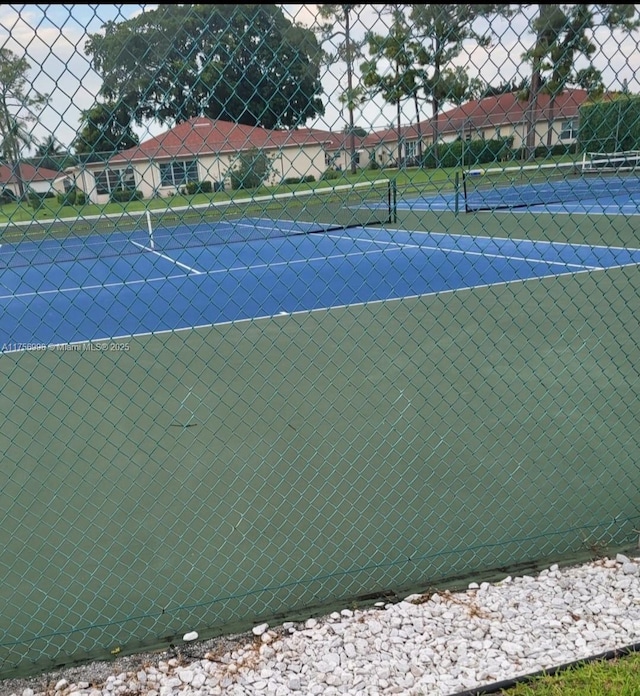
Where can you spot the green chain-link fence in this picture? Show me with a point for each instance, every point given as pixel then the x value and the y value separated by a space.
pixel 304 305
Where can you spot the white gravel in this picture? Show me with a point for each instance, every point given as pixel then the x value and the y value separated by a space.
pixel 426 645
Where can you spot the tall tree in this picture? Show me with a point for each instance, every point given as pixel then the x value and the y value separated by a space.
pixel 50 153
pixel 563 33
pixel 507 87
pixel 459 87
pixel 105 130
pixel 397 50
pixel 20 105
pixel 243 63
pixel 338 21
pixel 443 29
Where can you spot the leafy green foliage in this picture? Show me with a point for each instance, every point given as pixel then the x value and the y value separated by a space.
pixel 19 107
pixel 251 170
pixel 125 195
pixel 74 196
pixel 242 63
pixel 610 126
pixel 469 153
pixel 420 48
pixel 194 187
pixel 563 34
pixel 106 128
pixel 51 155
pixel 338 21
pixel 36 198
pixel 7 196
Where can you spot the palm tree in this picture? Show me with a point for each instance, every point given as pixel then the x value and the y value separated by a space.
pixel 17 105
pixel 14 139
pixel 50 153
pixel 349 50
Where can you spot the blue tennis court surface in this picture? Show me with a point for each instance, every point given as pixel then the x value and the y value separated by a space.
pixel 155 291
pixel 529 199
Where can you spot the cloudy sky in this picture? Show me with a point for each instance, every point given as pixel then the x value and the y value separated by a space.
pixel 52 39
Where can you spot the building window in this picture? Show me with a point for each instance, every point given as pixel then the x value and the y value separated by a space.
pixel 178 173
pixel 114 180
pixel 498 132
pixel 568 131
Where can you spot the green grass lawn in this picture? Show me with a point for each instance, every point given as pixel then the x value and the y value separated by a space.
pixel 422 180
pixel 619 677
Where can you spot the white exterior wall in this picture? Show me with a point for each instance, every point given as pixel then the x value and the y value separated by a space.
pixel 341 159
pixel 40 186
pixel 287 162
pixel 36 186
pixel 386 152
pixel 297 162
pixel 518 132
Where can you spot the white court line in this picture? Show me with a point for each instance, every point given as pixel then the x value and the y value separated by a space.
pixel 551 210
pixel 518 240
pixel 217 271
pixel 391 246
pixel 95 286
pixel 506 257
pixel 168 258
pixel 317 310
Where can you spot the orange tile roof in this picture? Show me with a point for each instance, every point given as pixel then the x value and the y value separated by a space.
pixel 28 172
pixel 199 136
pixel 505 109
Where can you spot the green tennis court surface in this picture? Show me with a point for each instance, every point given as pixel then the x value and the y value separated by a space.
pixel 163 431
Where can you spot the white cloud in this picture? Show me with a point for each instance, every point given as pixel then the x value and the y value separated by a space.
pixel 52 38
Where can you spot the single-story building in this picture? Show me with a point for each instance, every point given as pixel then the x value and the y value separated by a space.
pixel 38 179
pixel 203 149
pixel 339 149
pixel 499 117
pixel 199 150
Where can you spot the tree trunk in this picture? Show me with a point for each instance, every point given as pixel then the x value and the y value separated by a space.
pixel 399 126
pixel 17 173
pixel 418 129
pixel 352 135
pixel 532 111
pixel 552 118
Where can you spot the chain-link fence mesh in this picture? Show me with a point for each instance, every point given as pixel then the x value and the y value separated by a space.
pixel 308 304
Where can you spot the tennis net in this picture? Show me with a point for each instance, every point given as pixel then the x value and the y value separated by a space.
pixel 599 179
pixel 240 219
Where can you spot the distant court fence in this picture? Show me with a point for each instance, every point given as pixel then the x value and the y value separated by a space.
pixel 291 321
pixel 167 227
pixel 593 179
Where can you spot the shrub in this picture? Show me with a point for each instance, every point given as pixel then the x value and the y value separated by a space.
pixel 72 197
pixel 251 171
pixel 7 196
pixel 307 179
pixel 610 126
pixel 36 198
pixel 125 195
pixel 469 153
pixel 330 174
pixel 193 187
